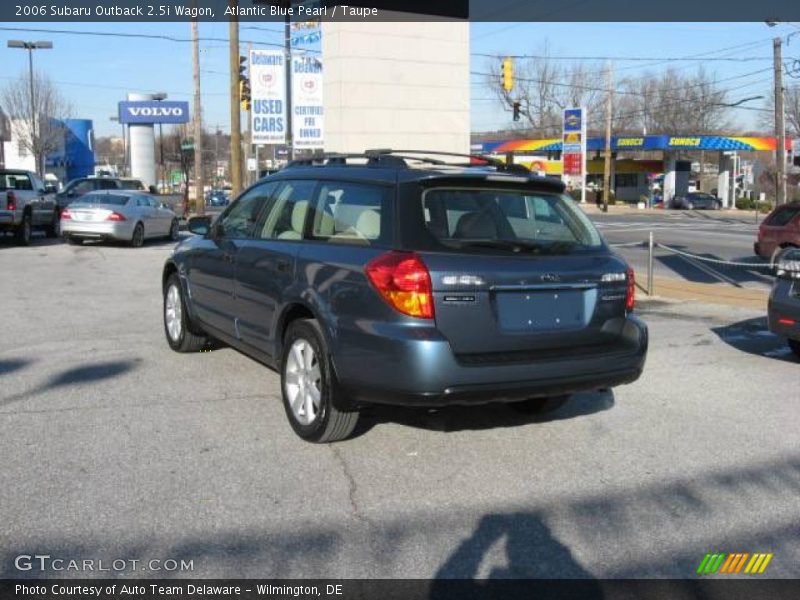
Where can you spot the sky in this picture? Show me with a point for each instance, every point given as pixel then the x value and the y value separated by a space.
pixel 95 72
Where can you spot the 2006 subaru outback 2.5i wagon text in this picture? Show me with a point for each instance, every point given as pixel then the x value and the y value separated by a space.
pixel 394 278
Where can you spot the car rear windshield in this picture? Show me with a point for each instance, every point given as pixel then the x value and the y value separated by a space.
pixel 783 215
pixel 513 221
pixel 15 181
pixel 131 184
pixel 107 199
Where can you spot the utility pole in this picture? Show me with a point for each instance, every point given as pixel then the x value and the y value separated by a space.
pixel 236 118
pixel 780 124
pixel 609 113
pixel 287 41
pixel 249 136
pixel 199 187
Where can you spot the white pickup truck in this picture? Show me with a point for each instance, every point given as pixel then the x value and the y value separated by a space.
pixel 25 205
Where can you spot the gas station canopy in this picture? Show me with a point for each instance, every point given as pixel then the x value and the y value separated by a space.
pixel 645 142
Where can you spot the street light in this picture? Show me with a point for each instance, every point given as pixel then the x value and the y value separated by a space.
pixel 161 96
pixel 30 47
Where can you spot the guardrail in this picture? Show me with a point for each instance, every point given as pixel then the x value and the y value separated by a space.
pixel 651 245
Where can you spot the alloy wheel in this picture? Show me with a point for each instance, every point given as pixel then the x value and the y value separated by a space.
pixel 303 382
pixel 173 313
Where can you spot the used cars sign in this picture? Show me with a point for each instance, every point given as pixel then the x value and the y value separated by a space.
pixel 153 111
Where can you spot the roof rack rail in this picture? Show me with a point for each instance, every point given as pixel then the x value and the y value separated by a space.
pixel 487 160
pixel 339 158
pixel 387 157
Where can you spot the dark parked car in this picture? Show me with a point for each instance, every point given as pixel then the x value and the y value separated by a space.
pixel 784 301
pixel 216 198
pixel 779 231
pixel 696 201
pixel 78 187
pixel 407 282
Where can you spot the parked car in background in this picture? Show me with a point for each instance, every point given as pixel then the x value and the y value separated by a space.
pixel 119 215
pixel 779 230
pixel 696 201
pixel 26 205
pixel 216 198
pixel 384 279
pixel 784 302
pixel 78 187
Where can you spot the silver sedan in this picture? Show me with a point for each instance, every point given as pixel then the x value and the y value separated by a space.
pixel 121 215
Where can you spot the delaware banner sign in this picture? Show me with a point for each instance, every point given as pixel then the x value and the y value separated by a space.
pixel 268 92
pixel 307 109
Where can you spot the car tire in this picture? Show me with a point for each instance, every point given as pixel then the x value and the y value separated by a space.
pixel 54 229
pixel 137 239
pixel 174 230
pixel 795 346
pixel 23 232
pixel 539 406
pixel 178 328
pixel 309 388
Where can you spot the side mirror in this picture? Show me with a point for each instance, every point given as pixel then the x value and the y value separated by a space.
pixel 50 189
pixel 41 191
pixel 199 225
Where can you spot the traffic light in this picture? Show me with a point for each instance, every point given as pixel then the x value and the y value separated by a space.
pixel 244 84
pixel 508 74
pixel 515 108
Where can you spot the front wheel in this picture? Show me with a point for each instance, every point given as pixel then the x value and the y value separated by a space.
pixel 53 230
pixel 309 388
pixel 174 230
pixel 177 326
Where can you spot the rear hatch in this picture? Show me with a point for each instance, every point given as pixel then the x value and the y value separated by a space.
pixel 520 271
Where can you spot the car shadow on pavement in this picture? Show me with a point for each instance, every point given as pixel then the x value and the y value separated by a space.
pixel 37 241
pixel 9 365
pixel 753 336
pixel 90 373
pixel 485 416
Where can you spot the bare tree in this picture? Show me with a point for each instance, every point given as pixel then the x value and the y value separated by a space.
pixel 46 110
pixel 671 102
pixel 791 107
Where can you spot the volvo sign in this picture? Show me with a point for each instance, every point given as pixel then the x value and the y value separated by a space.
pixel 153 111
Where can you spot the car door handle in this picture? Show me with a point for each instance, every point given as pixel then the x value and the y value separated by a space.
pixel 228 258
pixel 282 265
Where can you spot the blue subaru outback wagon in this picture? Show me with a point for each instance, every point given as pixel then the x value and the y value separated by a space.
pixel 396 277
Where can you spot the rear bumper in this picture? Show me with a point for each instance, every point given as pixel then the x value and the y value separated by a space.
pixel 99 231
pixel 784 303
pixel 425 372
pixel 7 220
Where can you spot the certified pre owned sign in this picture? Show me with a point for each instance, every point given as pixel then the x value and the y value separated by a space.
pixel 153 111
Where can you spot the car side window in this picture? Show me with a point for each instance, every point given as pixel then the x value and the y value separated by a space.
pixel 239 221
pixel 783 216
pixel 349 213
pixel 286 216
pixel 105 184
pixel 83 187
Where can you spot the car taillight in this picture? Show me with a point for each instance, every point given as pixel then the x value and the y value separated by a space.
pixel 115 216
pixel 11 201
pixel 630 296
pixel 402 279
pixel 65 214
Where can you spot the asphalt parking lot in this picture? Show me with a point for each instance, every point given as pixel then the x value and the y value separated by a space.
pixel 113 446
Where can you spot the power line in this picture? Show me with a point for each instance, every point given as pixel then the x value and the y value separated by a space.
pixel 148 36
